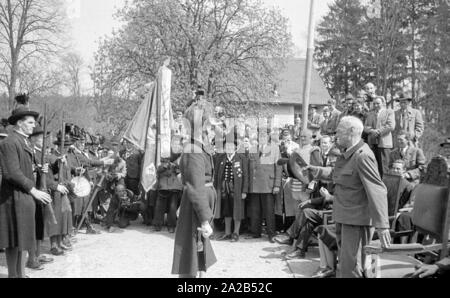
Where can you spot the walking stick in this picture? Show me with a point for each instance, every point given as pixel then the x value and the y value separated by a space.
pixel 97 188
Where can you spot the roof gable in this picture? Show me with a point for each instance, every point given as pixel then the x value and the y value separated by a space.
pixel 291 85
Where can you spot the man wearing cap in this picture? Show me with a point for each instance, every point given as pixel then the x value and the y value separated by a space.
pixel 408 119
pixel 19 192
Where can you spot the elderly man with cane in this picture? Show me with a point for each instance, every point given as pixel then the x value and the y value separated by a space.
pixel 360 198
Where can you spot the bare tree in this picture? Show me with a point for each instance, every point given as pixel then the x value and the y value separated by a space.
pixel 29 29
pixel 73 65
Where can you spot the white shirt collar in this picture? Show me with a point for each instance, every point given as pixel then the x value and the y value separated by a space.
pixel 230 157
pixel 22 134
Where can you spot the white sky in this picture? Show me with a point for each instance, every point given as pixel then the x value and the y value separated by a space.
pixel 92 19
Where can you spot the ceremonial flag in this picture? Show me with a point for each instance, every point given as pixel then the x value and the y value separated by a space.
pixel 150 129
pixel 136 132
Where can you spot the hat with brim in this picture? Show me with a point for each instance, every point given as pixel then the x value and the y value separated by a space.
pixel 67 142
pixel 446 143
pixel 38 131
pixel 404 97
pixel 20 113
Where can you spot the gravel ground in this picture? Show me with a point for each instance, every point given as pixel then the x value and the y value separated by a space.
pixel 138 252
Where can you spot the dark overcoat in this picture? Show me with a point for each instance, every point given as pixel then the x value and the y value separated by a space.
pixel 17 206
pixel 60 203
pixel 197 206
pixel 241 178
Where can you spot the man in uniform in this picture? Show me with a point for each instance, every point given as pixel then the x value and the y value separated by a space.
pixel 264 185
pixel 360 202
pixel 18 192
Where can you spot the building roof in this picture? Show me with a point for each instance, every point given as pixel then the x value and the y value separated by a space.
pixel 292 80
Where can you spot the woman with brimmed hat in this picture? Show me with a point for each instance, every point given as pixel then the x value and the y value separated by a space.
pixel 193 252
pixel 18 192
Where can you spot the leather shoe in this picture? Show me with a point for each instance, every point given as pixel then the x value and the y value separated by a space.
pixel 45 260
pixel 225 237
pixel 271 239
pixel 253 236
pixel 157 228
pixel 64 247
pixel 283 240
pixel 235 238
pixel 35 266
pixel 56 251
pixel 325 273
pixel 171 230
pixel 297 254
pixel 92 231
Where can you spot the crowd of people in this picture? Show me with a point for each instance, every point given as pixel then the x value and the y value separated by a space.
pixel 321 186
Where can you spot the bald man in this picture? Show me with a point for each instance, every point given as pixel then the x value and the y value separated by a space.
pixel 360 198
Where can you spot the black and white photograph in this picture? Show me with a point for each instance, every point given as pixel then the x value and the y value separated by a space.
pixel 224 140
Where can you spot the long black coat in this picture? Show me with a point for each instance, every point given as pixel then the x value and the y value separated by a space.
pixel 241 181
pixel 197 206
pixel 60 203
pixel 17 206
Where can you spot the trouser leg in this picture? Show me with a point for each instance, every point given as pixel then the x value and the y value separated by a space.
pixel 268 204
pixel 12 258
pixel 312 219
pixel 255 214
pixel 351 240
pixel 160 207
pixel 173 206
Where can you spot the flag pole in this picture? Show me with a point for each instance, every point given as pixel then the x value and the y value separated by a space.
pixel 309 66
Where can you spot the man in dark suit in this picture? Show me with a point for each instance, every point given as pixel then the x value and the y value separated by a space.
pixel 231 182
pixel 264 184
pixel 335 116
pixel 360 198
pixel 408 119
pixel 413 157
pixel 19 192
pixel 379 125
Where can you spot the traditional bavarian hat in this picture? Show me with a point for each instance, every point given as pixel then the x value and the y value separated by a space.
pixel 404 96
pixel 20 113
pixel 67 141
pixel 38 130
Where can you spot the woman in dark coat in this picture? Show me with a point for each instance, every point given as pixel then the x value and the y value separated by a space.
pixel 193 252
pixel 17 206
